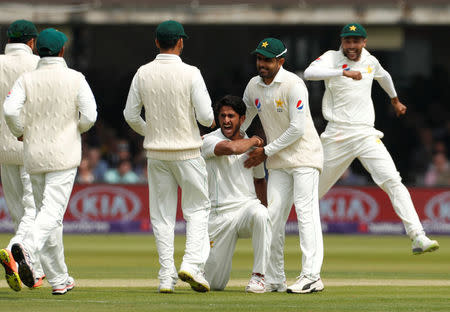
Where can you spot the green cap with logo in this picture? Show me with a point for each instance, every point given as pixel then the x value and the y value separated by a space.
pixel 170 30
pixel 50 41
pixel 353 29
pixel 270 47
pixel 20 29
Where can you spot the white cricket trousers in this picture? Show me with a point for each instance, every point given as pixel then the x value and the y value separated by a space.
pixel 298 186
pixel 164 177
pixel 251 220
pixel 19 199
pixel 341 147
pixel 51 193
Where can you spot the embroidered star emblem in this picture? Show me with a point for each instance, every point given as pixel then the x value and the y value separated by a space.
pixel 265 44
pixel 369 69
pixel 352 28
pixel 279 103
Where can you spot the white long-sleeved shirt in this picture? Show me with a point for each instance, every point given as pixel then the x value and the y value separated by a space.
pixel 15 100
pixel 199 95
pixel 296 116
pixel 347 101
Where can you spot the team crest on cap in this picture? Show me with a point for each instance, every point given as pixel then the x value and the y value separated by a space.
pixel 258 105
pixel 299 105
pixel 265 44
pixel 352 28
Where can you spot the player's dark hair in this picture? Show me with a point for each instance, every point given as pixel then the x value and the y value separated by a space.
pixel 168 44
pixel 235 102
pixel 23 39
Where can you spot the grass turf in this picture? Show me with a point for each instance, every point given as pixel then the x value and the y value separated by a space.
pixel 134 257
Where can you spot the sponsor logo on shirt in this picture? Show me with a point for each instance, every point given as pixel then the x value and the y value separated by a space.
pixel 345 67
pixel 258 105
pixel 9 93
pixel 279 106
pixel 299 105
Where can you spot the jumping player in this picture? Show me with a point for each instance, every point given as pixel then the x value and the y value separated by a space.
pixel 57 105
pixel 236 211
pixel 294 160
pixel 347 106
pixel 16 183
pixel 174 95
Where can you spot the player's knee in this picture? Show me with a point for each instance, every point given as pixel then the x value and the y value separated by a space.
pixel 261 215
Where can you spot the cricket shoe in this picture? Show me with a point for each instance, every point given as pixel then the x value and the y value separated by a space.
pixel 23 260
pixel 256 284
pixel 11 273
pixel 62 289
pixel 196 280
pixel 305 285
pixel 167 286
pixel 39 282
pixel 281 287
pixel 423 244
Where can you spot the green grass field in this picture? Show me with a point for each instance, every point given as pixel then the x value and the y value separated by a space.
pixel 360 273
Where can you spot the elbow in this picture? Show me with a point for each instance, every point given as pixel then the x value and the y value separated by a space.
pixel 307 74
pixel 207 122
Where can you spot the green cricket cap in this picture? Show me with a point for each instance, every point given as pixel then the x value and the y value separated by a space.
pixel 22 28
pixel 353 29
pixel 50 41
pixel 270 47
pixel 170 30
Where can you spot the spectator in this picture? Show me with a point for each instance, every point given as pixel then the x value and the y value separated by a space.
pixel 123 174
pixel 84 175
pixel 439 172
pixel 97 165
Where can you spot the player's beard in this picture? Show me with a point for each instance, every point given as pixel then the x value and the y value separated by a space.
pixel 234 131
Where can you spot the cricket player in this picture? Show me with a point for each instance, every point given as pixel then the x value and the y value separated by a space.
pixel 174 96
pixel 49 108
pixel 236 211
pixel 294 160
pixel 347 106
pixel 18 59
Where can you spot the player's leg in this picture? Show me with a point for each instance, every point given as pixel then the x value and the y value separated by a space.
pixel 254 222
pixel 163 207
pixel 223 238
pixel 337 157
pixel 280 199
pixel 378 162
pixel 55 188
pixel 192 177
pixel 306 203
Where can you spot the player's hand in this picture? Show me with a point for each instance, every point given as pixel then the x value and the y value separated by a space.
pixel 399 108
pixel 213 124
pixel 354 74
pixel 260 142
pixel 255 157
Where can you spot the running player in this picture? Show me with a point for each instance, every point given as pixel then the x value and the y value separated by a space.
pixel 347 106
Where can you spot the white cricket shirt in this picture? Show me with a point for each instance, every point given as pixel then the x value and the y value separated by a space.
pixel 230 184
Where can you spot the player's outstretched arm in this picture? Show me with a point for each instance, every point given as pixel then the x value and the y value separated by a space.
pixel 237 147
pixel 399 107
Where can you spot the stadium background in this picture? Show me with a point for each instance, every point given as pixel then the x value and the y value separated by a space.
pixel 110 39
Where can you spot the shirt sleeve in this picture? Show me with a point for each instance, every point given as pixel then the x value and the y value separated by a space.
pixel 87 107
pixel 298 99
pixel 259 172
pixel 13 106
pixel 322 68
pixel 133 108
pixel 251 110
pixel 209 144
pixel 385 80
pixel 202 101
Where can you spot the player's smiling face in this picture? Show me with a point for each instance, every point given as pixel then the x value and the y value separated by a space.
pixel 230 122
pixel 268 67
pixel 352 47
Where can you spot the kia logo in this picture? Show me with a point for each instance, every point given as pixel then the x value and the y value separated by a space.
pixel 104 203
pixel 346 204
pixel 438 207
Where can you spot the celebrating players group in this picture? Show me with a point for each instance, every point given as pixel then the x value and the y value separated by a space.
pixel 222 175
